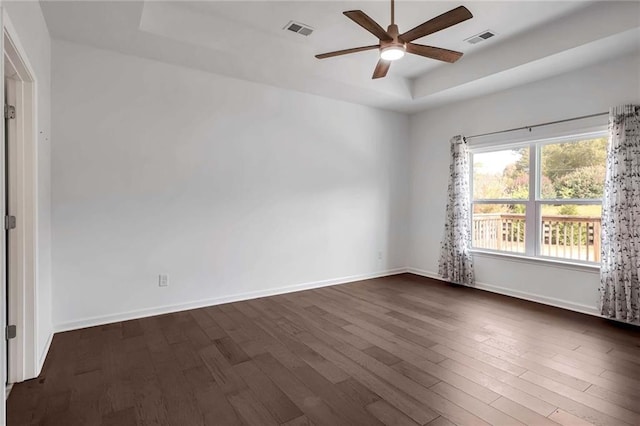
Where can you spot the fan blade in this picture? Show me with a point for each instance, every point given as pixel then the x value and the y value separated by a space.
pixel 381 69
pixel 347 51
pixel 362 19
pixel 434 52
pixel 446 20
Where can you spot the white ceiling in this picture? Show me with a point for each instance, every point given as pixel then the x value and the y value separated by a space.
pixel 246 40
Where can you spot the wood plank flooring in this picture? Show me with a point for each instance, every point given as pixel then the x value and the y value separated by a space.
pixel 401 350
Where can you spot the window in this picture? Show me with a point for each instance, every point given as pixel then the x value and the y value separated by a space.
pixel 540 199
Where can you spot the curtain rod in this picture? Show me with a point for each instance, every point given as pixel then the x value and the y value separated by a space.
pixel 537 125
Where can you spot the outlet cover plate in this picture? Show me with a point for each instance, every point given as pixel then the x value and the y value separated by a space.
pixel 163 280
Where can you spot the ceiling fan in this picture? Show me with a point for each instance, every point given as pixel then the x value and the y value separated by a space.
pixel 394 45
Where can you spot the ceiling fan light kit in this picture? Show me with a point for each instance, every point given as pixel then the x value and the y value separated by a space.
pixel 392 53
pixel 393 45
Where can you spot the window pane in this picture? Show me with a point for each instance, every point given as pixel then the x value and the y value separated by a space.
pixel 501 174
pixel 571 231
pixel 573 169
pixel 499 227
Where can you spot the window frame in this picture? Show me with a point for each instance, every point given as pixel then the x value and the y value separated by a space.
pixel 533 221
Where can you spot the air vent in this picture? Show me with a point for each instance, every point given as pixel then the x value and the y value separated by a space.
pixel 480 37
pixel 299 28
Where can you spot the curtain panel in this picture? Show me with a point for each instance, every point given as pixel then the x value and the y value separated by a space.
pixel 620 268
pixel 456 263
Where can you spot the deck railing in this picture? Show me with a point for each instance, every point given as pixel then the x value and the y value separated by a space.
pixel 567 237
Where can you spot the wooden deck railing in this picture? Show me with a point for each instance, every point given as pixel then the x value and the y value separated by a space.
pixel 568 237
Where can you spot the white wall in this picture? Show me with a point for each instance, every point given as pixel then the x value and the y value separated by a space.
pixel 28 21
pixel 585 91
pixel 232 188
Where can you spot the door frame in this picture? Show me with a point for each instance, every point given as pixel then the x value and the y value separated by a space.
pixel 23 362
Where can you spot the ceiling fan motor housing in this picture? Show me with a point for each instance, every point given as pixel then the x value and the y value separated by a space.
pixel 394 48
pixel 396 41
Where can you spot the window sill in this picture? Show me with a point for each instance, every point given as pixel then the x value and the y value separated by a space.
pixel 555 263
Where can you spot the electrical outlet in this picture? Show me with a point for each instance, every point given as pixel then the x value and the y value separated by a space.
pixel 379 255
pixel 163 280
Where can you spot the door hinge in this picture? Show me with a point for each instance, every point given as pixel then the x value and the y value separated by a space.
pixel 9 222
pixel 9 112
pixel 10 332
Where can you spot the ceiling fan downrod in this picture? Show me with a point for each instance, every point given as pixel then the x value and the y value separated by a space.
pixel 393 15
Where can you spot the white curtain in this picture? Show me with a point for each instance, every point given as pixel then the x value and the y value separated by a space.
pixel 620 269
pixel 456 264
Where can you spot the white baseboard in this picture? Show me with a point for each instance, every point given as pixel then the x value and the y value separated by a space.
pixel 551 301
pixel 142 313
pixel 558 303
pixel 43 355
pixel 423 273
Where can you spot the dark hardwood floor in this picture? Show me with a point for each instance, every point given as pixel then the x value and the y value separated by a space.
pixel 402 350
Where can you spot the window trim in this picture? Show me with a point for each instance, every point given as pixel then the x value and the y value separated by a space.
pixel 542 260
pixel 534 203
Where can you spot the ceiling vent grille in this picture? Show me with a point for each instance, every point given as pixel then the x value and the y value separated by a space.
pixel 299 28
pixel 485 35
